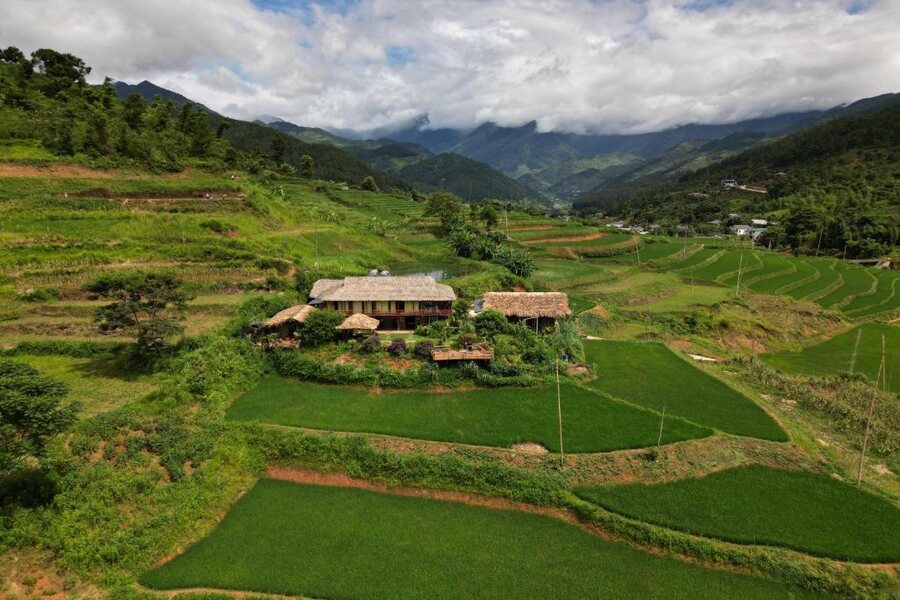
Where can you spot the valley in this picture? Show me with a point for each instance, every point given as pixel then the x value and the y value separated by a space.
pixel 196 401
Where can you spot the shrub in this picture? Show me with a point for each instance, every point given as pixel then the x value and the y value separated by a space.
pixel 319 327
pixel 397 348
pixel 370 345
pixel 423 349
pixel 489 323
pixel 439 330
pixel 466 339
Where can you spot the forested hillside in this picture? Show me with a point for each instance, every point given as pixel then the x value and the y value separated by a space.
pixel 258 141
pixel 468 179
pixel 834 187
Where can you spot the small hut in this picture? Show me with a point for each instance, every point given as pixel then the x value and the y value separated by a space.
pixel 357 323
pixel 540 309
pixel 287 321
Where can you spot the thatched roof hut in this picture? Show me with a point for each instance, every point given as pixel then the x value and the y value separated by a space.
pixel 381 288
pixel 528 305
pixel 295 314
pixel 358 322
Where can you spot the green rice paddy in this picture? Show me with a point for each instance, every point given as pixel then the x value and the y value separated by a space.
pixel 492 417
pixel 651 375
pixel 836 356
pixel 757 505
pixel 326 542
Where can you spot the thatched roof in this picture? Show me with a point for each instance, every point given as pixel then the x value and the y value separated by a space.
pixel 323 285
pixel 528 304
pixel 358 321
pixel 295 313
pixel 374 288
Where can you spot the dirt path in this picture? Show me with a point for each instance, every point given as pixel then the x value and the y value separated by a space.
pixel 309 477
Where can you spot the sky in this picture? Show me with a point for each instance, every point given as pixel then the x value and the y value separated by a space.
pixel 584 66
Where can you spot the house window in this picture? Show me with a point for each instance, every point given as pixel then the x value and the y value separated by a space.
pixel 401 306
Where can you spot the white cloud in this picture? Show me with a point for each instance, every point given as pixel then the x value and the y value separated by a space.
pixel 574 65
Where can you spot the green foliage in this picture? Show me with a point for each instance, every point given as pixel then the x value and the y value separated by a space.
pixel 148 304
pixel 319 327
pixel 809 512
pixel 490 323
pixel 31 413
pixel 382 533
pixel 368 184
pixel 500 417
pixel 307 166
pixel 370 345
pixel 565 341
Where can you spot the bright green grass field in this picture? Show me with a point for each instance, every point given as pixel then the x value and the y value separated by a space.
pixel 758 505
pixel 492 417
pixel 95 383
pixel 325 542
pixel 834 356
pixel 649 374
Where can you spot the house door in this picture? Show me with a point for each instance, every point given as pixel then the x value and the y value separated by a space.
pixel 401 306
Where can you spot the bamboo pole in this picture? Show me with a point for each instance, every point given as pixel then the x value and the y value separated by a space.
pixel 737 289
pixel 562 455
pixel 661 421
pixel 855 349
pixel 862 453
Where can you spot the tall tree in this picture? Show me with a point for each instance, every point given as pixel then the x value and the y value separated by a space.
pixel 149 305
pixel 31 413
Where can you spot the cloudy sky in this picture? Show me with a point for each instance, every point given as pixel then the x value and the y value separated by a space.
pixel 571 65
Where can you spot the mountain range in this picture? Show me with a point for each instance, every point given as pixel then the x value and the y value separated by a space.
pixel 523 163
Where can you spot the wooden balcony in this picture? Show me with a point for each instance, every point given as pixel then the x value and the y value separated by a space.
pixel 435 312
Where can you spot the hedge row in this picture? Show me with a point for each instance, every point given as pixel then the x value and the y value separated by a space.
pixel 290 363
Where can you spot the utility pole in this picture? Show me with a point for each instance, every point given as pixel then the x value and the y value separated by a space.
pixel 562 456
pixel 819 245
pixel 862 452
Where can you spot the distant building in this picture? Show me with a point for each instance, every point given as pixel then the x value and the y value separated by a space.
pixel 740 230
pixel 715 222
pixel 729 183
pixel 618 224
pixel 397 302
pixel 759 222
pixel 698 196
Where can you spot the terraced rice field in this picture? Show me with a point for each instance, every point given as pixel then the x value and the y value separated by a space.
pixel 855 280
pixel 836 356
pixel 648 253
pixel 855 290
pixel 808 512
pixel 493 417
pixel 828 278
pixel 328 542
pixel 650 375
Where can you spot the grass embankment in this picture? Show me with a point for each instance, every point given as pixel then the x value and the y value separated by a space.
pixel 491 417
pixel 650 375
pixel 97 384
pixel 757 505
pixel 326 542
pixel 835 356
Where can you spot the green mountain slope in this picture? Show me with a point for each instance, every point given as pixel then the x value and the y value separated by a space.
pixel 468 179
pixel 833 187
pixel 332 162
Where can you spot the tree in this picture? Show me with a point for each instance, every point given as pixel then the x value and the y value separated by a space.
pixel 11 55
pixel 31 413
pixel 307 166
pixel 59 71
pixel 489 323
pixel 303 282
pixel 519 262
pixel 278 149
pixel 447 207
pixel 369 184
pixel 565 341
pixel 490 215
pixel 148 304
pixel 319 327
